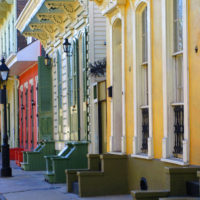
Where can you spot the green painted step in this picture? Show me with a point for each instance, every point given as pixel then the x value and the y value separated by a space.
pixel 74 157
pixel 110 180
pixel 94 164
pixel 34 161
pixel 48 159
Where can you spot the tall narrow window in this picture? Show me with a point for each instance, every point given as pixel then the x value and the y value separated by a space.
pixel 144 79
pixel 178 105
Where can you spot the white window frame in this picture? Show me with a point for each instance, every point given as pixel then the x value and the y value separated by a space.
pixel 167 143
pixel 137 134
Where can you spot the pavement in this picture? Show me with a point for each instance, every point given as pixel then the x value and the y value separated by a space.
pixel 25 185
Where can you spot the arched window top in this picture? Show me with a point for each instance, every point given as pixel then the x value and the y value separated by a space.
pixel 140 5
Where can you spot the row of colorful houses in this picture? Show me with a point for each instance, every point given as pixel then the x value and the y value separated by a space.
pixel 139 123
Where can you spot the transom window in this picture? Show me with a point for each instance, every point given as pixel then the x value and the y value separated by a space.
pixel 178 25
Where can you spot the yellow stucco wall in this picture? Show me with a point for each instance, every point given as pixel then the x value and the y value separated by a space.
pixel 194 80
pixel 157 78
pixel 157 86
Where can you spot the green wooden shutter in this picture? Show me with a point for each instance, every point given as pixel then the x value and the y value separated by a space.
pixel 45 113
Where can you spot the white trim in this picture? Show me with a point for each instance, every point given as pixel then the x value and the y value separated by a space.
pixel 136 138
pixel 31 81
pixel 21 88
pixel 143 156
pixel 26 85
pixel 175 161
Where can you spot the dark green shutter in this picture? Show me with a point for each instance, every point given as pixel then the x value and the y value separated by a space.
pixel 45 113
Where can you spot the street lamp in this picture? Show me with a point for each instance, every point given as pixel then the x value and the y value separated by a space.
pixel 5 170
pixel 47 60
pixel 67 47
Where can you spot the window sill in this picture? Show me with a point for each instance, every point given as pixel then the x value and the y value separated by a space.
pixel 175 161
pixel 116 153
pixel 177 53
pixel 142 156
pixel 144 107
pixel 177 104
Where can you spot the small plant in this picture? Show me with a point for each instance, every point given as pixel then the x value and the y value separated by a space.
pixel 98 68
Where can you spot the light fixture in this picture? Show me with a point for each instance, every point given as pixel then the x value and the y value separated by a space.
pixel 4 70
pixel 67 47
pixel 47 60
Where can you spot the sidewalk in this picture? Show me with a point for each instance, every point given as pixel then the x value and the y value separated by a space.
pixel 31 185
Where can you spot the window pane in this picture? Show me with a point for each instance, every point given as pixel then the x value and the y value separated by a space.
pixel 178 25
pixel 179 78
pixel 144 35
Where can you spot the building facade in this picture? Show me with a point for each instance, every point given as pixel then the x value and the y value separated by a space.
pixel 152 54
pixel 72 85
pixel 20 55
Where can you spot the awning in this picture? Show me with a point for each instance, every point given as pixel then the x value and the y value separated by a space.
pixel 18 63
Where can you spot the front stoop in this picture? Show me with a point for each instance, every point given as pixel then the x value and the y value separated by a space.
pixel 74 156
pixel 34 161
pixel 181 184
pixel 112 179
pixel 178 179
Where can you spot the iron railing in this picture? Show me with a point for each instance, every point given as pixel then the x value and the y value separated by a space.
pixel 145 129
pixel 178 129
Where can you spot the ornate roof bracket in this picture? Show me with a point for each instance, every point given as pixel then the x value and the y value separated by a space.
pixel 42 36
pixel 49 29
pixel 57 18
pixel 67 7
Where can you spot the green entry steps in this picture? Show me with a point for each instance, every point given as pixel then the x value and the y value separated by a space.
pixel 107 178
pixel 73 156
pixel 34 160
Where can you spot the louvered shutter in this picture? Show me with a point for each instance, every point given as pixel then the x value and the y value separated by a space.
pixel 45 113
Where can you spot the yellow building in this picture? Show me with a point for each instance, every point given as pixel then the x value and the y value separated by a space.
pixel 153 89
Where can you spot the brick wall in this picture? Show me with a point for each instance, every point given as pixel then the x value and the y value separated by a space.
pixel 21 41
